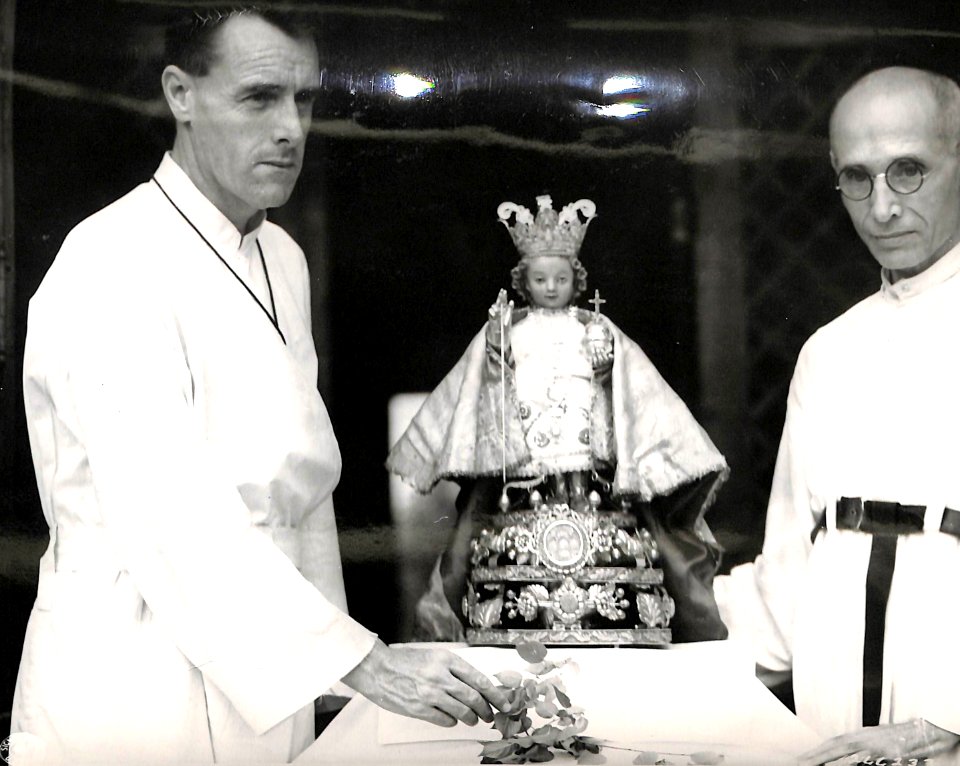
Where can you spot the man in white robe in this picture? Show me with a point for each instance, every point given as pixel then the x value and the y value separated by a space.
pixel 854 589
pixel 185 459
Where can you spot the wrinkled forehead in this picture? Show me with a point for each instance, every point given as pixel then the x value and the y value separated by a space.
pixel 879 125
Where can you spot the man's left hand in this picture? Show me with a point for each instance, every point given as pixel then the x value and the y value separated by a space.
pixel 913 739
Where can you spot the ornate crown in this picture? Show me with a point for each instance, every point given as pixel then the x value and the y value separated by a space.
pixel 550 233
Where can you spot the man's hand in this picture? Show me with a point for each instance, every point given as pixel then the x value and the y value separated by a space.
pixel 913 739
pixel 432 684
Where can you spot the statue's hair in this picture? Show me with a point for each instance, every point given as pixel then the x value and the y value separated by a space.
pixel 518 275
pixel 945 92
pixel 190 40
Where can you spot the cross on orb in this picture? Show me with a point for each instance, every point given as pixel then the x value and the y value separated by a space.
pixel 596 301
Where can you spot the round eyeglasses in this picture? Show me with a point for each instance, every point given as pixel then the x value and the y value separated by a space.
pixel 903 176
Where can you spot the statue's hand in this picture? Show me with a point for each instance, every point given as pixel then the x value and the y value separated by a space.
pixel 500 315
pixel 500 306
pixel 598 345
pixel 600 353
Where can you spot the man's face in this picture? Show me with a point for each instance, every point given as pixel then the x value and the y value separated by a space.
pixel 250 116
pixel 906 233
pixel 550 281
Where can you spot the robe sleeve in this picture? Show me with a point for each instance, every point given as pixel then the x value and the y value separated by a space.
pixel 757 600
pixel 317 539
pixel 232 602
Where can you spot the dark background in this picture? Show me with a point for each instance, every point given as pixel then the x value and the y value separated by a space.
pixel 719 244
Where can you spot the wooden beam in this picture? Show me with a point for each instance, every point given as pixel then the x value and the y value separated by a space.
pixel 721 290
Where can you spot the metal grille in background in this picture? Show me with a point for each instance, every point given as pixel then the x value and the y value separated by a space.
pixel 805 264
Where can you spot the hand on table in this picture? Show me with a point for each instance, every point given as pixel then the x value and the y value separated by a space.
pixel 912 739
pixel 432 684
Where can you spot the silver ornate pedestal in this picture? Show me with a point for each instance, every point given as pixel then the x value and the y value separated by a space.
pixel 565 576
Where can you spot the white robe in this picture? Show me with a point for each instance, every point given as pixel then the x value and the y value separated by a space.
pixel 186 465
pixel 554 389
pixel 874 413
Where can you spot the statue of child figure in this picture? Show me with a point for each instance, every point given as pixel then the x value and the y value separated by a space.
pixel 555 400
pixel 559 361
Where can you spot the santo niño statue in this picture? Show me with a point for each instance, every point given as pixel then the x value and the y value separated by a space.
pixel 584 479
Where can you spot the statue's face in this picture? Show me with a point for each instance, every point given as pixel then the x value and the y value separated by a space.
pixel 550 281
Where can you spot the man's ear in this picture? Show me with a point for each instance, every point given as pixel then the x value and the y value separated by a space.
pixel 833 161
pixel 178 90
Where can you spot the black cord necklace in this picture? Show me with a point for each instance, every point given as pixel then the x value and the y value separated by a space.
pixel 271 314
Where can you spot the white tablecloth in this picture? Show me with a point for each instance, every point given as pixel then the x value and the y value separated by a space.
pixel 676 701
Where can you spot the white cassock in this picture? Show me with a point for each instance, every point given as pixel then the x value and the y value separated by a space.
pixel 186 465
pixel 873 413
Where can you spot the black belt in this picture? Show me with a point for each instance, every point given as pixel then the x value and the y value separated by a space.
pixel 876 517
pixel 885 522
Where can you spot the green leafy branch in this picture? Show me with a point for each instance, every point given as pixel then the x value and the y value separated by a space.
pixel 539 690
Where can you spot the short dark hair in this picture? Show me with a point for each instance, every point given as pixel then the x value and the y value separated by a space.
pixel 518 275
pixel 190 39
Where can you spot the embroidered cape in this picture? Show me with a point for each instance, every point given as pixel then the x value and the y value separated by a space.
pixel 642 427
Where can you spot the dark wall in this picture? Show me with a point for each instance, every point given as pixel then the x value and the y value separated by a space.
pixel 424 257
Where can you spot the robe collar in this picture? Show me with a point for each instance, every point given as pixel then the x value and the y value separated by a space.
pixel 214 225
pixel 909 287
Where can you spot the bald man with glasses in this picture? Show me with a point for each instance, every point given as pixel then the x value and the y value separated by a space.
pixel 855 588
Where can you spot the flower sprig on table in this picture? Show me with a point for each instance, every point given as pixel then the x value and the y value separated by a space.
pixel 539 690
pixel 700 758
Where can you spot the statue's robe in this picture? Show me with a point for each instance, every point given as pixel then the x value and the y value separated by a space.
pixel 660 458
